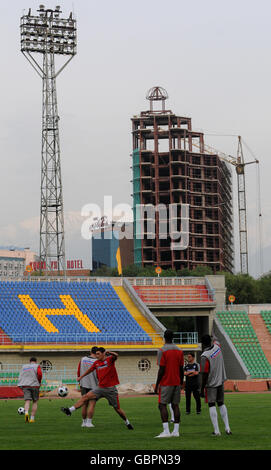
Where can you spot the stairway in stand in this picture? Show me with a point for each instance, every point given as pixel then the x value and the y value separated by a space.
pixel 262 333
pixel 4 339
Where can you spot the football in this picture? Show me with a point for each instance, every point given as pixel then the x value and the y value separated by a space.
pixel 62 391
pixel 21 410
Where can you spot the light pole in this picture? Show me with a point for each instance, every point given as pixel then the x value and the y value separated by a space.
pixel 48 35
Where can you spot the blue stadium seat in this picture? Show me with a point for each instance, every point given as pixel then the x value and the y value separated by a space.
pixel 97 301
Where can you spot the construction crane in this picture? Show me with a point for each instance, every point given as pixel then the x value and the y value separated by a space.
pixel 239 164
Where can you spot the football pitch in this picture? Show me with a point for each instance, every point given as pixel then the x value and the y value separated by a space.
pixel 249 416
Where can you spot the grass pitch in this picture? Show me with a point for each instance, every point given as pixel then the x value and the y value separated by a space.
pixel 249 416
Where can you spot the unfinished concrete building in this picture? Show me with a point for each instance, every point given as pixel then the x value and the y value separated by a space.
pixel 171 169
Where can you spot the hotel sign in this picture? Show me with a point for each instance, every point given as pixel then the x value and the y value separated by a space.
pixel 70 265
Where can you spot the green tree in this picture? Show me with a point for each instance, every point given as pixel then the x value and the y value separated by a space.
pixel 148 271
pixel 243 287
pixel 183 272
pixel 105 271
pixel 131 271
pixel 264 286
pixel 36 274
pixel 168 273
pixel 201 271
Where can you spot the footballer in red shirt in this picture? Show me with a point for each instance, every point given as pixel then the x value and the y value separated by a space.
pixel 169 381
pixel 105 370
pixel 107 380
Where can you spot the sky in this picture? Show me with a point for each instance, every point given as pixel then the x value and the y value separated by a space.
pixel 212 57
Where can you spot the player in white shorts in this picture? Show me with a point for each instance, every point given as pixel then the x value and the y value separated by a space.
pixel 213 378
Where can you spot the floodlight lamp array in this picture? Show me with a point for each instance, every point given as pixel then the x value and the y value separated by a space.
pixel 48 33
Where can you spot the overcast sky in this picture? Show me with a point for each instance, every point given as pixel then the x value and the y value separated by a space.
pixel 213 58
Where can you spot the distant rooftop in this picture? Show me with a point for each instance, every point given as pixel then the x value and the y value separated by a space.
pixel 13 248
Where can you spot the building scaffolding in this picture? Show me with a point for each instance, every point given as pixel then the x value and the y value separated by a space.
pixel 168 172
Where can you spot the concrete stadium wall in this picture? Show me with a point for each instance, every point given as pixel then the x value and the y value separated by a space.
pixel 66 363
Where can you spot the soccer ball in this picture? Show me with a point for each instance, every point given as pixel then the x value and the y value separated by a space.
pixel 62 391
pixel 21 410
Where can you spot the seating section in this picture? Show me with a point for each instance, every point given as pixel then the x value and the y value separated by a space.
pixel 44 312
pixel 239 328
pixel 266 316
pixel 10 379
pixel 173 294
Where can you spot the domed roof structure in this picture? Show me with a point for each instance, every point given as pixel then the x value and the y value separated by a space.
pixel 157 93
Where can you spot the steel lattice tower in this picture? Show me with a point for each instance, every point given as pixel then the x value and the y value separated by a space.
pixel 50 35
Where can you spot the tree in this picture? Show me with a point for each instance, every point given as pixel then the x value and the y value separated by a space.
pixel 201 271
pixel 37 274
pixel 168 272
pixel 105 271
pixel 148 271
pixel 183 272
pixel 243 287
pixel 264 286
pixel 131 271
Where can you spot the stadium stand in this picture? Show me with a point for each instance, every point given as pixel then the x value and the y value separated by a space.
pixel 51 379
pixel 174 294
pixel 266 316
pixel 69 312
pixel 239 328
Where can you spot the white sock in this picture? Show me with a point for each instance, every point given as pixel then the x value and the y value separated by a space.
pixel 176 427
pixel 166 428
pixel 127 421
pixel 72 408
pixel 32 418
pixel 213 416
pixel 171 412
pixel 89 420
pixel 224 416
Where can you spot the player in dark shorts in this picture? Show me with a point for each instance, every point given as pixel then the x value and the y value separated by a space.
pixel 192 385
pixel 212 386
pixel 30 381
pixel 168 384
pixel 87 384
pixel 107 381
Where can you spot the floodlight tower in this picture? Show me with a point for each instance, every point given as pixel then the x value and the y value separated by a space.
pixel 49 35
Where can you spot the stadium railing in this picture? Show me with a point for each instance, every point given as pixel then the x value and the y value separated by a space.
pixel 51 378
pixel 68 376
pixel 79 338
pixel 134 281
pixel 173 290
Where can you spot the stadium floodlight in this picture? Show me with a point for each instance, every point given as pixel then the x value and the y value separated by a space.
pixel 48 35
pixel 40 34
